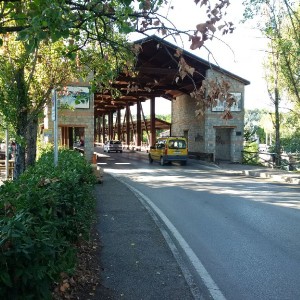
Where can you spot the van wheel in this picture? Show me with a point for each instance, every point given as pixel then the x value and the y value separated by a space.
pixel 183 163
pixel 162 161
pixel 150 159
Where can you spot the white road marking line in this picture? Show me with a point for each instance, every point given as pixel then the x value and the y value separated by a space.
pixel 199 267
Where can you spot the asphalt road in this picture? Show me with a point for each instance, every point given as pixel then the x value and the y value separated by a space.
pixel 238 235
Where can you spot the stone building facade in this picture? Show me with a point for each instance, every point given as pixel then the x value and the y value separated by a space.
pixel 210 133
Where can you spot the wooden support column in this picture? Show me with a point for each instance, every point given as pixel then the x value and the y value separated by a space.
pixel 99 129
pixel 71 140
pixel 138 126
pixel 124 128
pixel 146 127
pixel 64 136
pixel 95 129
pixel 115 124
pixel 103 129
pixel 127 125
pixel 110 126
pixel 152 122
pixel 119 124
pixel 132 130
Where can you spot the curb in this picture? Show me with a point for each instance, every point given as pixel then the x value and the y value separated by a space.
pixel 277 177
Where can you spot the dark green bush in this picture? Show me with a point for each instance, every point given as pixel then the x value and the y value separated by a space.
pixel 43 215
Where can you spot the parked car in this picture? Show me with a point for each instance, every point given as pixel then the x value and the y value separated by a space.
pixel 168 149
pixel 112 145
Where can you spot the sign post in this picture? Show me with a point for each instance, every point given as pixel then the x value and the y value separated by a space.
pixel 6 155
pixel 55 125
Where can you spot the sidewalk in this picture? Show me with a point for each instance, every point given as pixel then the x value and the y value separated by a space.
pixel 262 172
pixel 136 261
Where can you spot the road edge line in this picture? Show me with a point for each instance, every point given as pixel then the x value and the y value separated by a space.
pixel 154 211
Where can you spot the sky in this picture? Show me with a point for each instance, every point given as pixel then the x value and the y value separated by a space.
pixel 241 52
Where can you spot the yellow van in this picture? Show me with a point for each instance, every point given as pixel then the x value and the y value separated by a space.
pixel 168 149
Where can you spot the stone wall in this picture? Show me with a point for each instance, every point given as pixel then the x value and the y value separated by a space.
pixel 185 122
pixel 211 132
pixel 214 120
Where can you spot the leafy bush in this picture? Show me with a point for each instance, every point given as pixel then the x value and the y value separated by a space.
pixel 251 147
pixel 291 144
pixel 43 216
pixel 250 154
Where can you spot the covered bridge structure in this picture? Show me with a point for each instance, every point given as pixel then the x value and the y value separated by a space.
pixel 156 75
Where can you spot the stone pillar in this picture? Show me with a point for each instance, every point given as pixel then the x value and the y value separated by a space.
pixel 210 140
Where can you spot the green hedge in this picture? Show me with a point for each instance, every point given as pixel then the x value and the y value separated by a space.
pixel 43 215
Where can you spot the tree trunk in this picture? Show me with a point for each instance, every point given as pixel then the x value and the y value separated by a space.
pixel 31 140
pixel 277 129
pixel 21 123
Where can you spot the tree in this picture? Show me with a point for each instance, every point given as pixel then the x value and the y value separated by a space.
pixel 288 45
pixel 279 21
pixel 253 129
pixel 85 20
pixel 26 80
pixel 92 37
pixel 274 91
pixel 290 138
pixel 166 117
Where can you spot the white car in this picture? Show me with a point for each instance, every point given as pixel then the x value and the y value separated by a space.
pixel 112 145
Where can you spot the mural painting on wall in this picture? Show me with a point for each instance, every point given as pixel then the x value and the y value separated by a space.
pixel 74 97
pixel 236 104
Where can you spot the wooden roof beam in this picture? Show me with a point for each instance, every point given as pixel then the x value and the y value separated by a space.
pixel 155 71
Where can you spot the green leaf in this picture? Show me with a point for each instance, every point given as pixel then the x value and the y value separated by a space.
pixel 127 2
pixel 126 28
pixel 5 278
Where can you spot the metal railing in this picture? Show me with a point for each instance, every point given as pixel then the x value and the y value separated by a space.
pixel 289 162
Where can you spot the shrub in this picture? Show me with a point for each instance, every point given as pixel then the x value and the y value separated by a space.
pixel 44 214
pixel 250 154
